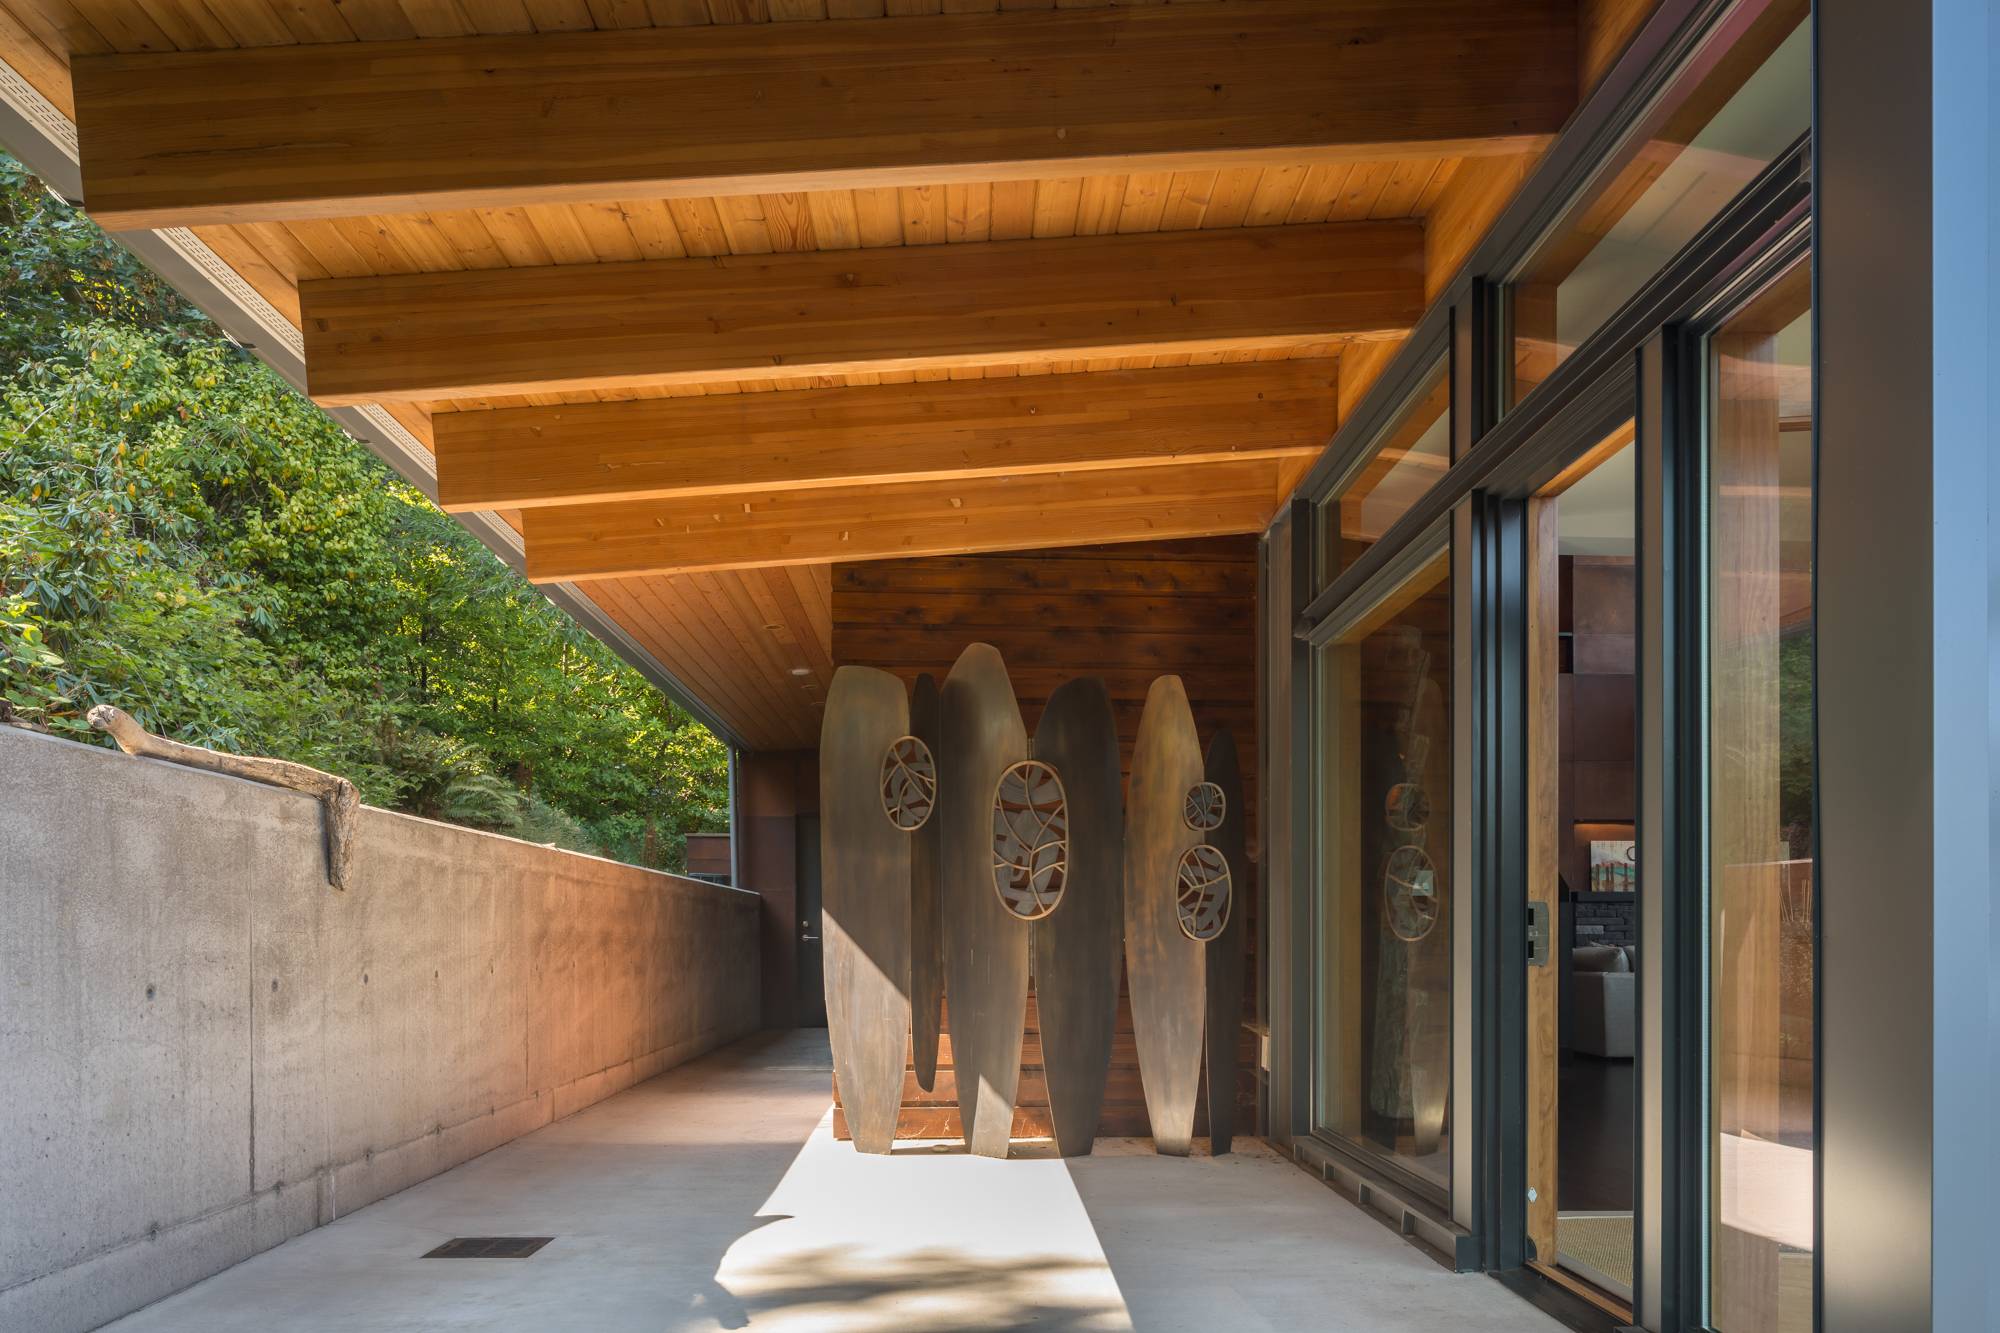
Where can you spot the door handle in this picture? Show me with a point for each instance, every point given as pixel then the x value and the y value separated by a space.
pixel 1538 934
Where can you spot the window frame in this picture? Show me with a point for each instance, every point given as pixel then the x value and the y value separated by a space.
pixel 1413 558
pixel 1643 347
pixel 1692 998
pixel 1696 55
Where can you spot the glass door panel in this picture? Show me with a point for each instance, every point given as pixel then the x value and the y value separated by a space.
pixel 1384 943
pixel 1583 988
pixel 1761 860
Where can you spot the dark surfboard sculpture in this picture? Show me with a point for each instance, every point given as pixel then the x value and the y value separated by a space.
pixel 866 783
pixel 985 946
pixel 1165 968
pixel 1225 951
pixel 926 921
pixel 1076 950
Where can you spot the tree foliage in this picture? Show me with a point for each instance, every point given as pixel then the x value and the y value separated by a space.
pixel 184 536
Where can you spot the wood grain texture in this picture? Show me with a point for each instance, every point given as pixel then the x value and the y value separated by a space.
pixel 1466 209
pixel 926 919
pixel 907 308
pixel 735 637
pixel 865 902
pixel 1604 29
pixel 1545 831
pixel 1223 957
pixel 761 529
pixel 1164 967
pixel 755 644
pixel 985 948
pixel 670 448
pixel 277 132
pixel 1076 952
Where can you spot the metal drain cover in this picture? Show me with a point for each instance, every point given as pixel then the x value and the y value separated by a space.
pixel 489 1247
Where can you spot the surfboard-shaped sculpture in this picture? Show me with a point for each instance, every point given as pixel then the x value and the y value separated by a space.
pixel 1076 951
pixel 1225 952
pixel 871 799
pixel 985 946
pixel 926 924
pixel 1164 965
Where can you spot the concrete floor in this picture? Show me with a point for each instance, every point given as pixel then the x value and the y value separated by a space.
pixel 715 1197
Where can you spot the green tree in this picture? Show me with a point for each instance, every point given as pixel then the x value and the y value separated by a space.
pixel 184 536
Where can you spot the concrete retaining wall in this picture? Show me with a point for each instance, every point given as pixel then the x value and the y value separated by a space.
pixel 205 1051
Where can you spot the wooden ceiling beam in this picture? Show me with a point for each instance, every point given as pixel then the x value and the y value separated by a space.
pixel 581 542
pixel 667 448
pixel 501 332
pixel 271 133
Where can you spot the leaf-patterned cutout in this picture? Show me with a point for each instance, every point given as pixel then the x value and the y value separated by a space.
pixel 1203 892
pixel 1030 840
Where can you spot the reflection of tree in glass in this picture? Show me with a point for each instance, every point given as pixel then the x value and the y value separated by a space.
pixel 1030 840
pixel 909 784
pixel 1203 892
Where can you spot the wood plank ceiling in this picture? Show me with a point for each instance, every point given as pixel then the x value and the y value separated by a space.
pixel 1176 241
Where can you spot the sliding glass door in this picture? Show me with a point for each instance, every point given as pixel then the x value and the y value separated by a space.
pixel 1583 886
pixel 1760 811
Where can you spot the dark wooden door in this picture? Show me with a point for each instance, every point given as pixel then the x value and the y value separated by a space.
pixel 811 959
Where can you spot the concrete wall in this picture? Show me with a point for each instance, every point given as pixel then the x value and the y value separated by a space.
pixel 205 1051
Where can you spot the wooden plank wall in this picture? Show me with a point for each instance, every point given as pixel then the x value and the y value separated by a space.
pixel 1126 613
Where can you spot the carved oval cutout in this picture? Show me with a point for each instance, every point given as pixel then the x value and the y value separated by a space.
pixel 1205 807
pixel 909 784
pixel 1409 892
pixel 1204 892
pixel 1408 807
pixel 1030 840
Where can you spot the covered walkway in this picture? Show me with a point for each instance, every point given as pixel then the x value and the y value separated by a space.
pixel 715 1197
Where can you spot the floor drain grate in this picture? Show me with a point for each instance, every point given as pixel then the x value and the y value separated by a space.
pixel 489 1247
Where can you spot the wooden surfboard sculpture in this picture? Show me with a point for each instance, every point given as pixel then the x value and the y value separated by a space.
pixel 985 946
pixel 926 924
pixel 1164 967
pixel 865 896
pixel 1076 951
pixel 1225 952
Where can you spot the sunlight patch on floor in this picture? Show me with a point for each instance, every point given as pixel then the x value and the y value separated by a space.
pixel 922 1239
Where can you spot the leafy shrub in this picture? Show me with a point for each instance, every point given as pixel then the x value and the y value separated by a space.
pixel 184 536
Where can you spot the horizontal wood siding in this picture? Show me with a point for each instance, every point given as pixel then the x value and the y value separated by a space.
pixel 1125 613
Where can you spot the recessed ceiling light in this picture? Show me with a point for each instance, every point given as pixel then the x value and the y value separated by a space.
pixel 801 671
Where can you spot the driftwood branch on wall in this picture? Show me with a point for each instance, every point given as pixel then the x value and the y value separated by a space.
pixel 338 798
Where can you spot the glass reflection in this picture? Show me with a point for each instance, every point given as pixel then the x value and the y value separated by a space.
pixel 1761 838
pixel 1406 462
pixel 1747 99
pixel 1384 944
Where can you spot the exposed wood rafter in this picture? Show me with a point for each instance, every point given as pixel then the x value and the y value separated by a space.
pixel 791 316
pixel 579 542
pixel 664 448
pixel 267 133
